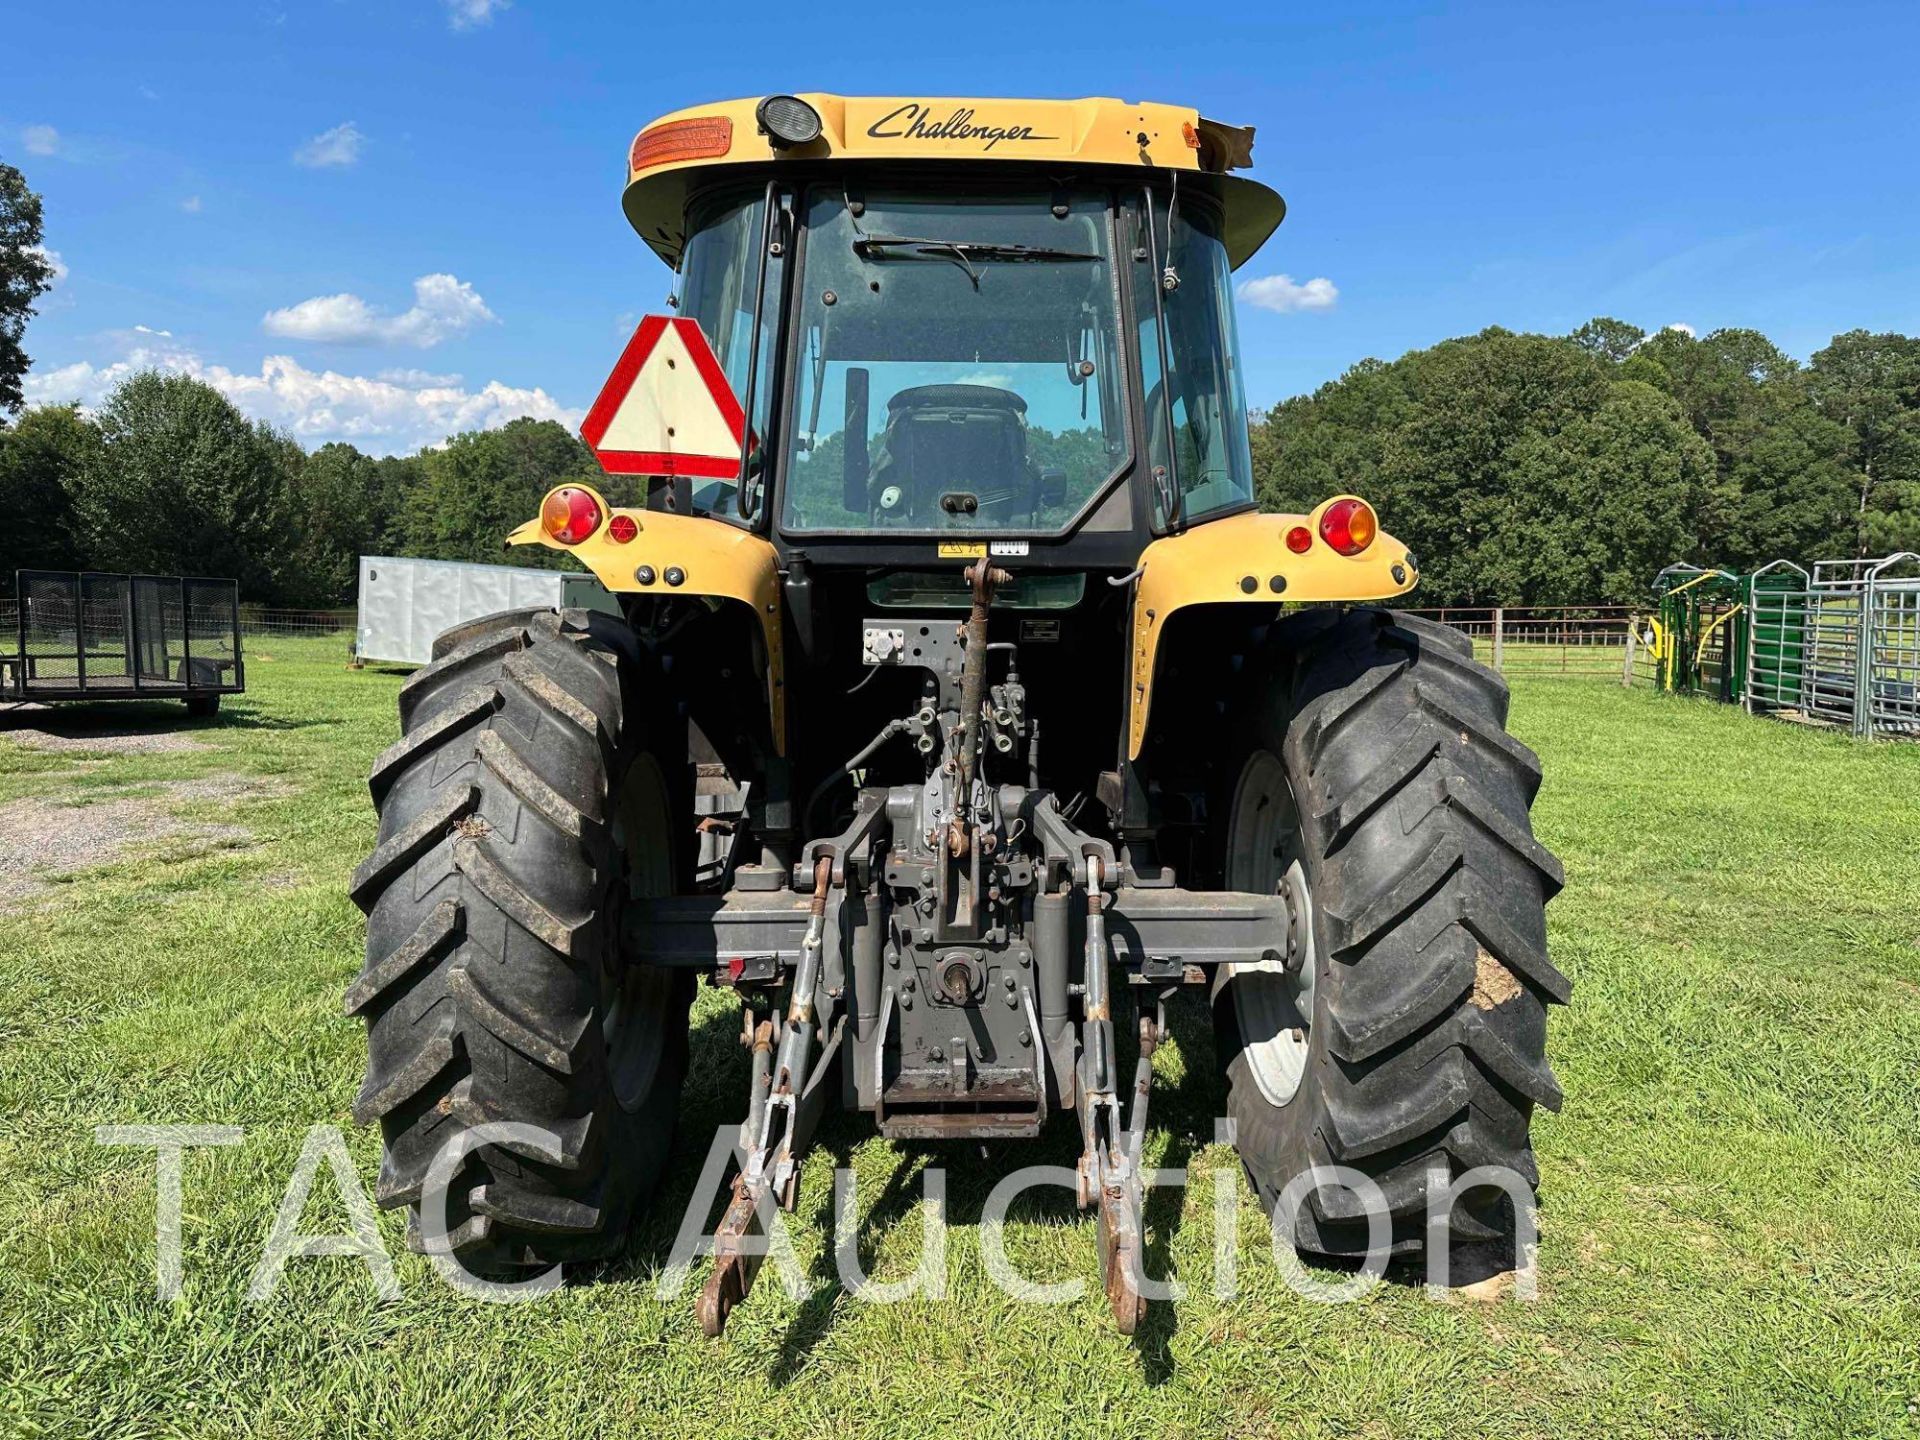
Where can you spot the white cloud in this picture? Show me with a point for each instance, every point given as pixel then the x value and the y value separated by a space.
pixel 442 308
pixel 54 263
pixel 333 148
pixel 40 139
pixel 149 330
pixel 191 204
pixel 381 416
pixel 465 14
pixel 1284 295
pixel 403 375
pixel 1683 328
pixel 62 386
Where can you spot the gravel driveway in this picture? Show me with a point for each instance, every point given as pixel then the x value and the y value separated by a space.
pixel 43 839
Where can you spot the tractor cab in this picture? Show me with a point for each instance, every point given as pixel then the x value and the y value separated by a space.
pixel 946 332
pixel 1036 353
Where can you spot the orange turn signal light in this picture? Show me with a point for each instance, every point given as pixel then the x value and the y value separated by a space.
pixel 1349 526
pixel 699 138
pixel 569 515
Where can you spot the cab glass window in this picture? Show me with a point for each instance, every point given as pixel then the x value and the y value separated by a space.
pixel 718 276
pixel 1200 380
pixel 958 363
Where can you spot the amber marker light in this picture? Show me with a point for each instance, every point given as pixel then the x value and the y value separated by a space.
pixel 700 138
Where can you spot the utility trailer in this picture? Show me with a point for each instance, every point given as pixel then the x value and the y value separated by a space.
pixel 405 602
pixel 83 635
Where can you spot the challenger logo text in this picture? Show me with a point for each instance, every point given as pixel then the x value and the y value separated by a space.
pixel 916 122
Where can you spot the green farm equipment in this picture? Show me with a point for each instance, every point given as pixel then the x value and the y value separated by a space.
pixel 1838 645
pixel 1696 643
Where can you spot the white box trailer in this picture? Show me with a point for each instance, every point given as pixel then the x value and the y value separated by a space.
pixel 406 603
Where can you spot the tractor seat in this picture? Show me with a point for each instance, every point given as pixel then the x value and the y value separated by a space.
pixel 962 397
pixel 954 441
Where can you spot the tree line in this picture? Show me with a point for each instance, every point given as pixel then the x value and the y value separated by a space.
pixel 1520 468
pixel 168 478
pixel 1561 470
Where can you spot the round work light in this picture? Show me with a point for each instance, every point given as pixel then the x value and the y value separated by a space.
pixel 787 120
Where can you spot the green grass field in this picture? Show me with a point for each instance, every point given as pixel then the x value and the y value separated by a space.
pixel 1730 1201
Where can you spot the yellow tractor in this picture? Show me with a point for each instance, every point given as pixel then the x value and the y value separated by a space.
pixel 962 711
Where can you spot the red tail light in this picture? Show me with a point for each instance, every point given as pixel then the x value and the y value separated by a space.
pixel 570 515
pixel 1299 539
pixel 1349 526
pixel 622 528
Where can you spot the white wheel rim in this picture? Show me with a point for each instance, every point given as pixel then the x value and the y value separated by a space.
pixel 1272 1005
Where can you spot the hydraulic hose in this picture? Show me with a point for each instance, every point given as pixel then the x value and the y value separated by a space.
pixel 853 763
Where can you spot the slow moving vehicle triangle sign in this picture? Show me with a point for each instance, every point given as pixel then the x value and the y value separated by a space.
pixel 667 408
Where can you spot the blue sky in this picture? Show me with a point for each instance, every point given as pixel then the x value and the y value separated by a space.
pixel 381 219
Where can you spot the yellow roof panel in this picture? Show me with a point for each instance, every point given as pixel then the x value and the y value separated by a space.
pixel 671 154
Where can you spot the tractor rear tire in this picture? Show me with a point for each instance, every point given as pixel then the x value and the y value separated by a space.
pixel 534 790
pixel 1412 1041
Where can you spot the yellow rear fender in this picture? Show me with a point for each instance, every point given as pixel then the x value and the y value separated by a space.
pixel 1246 558
pixel 670 554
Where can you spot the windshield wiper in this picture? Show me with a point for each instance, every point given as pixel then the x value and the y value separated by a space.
pixel 964 252
pixel 974 249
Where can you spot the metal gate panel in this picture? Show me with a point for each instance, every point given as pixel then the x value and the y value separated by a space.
pixel 1890 653
pixel 1833 649
pixel 1842 645
pixel 104 658
pixel 1776 658
pixel 1777 650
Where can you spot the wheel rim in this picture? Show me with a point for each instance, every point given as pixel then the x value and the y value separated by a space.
pixel 632 1024
pixel 1272 1005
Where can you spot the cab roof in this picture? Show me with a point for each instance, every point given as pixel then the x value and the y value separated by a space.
pixel 680 151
